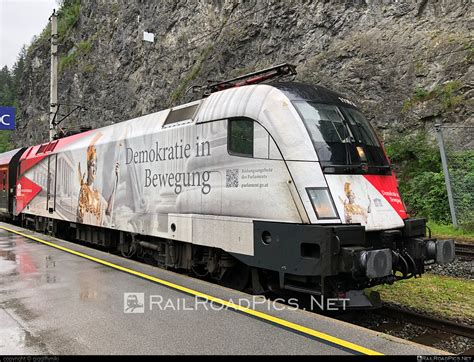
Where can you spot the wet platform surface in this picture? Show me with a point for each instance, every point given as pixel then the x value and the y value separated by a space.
pixel 54 302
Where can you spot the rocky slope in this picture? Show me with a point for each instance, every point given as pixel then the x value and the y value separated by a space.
pixel 408 64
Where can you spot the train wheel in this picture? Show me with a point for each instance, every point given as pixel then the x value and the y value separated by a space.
pixel 236 277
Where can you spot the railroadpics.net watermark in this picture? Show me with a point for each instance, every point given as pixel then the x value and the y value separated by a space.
pixel 443 358
pixel 135 302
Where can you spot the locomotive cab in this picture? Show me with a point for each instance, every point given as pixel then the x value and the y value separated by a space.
pixel 373 238
pixel 354 231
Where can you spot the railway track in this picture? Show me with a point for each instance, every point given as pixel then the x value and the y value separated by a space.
pixel 435 332
pixel 427 321
pixel 449 335
pixel 431 331
pixel 465 250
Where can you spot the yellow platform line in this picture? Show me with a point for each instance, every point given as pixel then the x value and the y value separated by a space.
pixel 281 322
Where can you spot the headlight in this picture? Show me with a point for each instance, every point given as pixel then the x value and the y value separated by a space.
pixel 322 203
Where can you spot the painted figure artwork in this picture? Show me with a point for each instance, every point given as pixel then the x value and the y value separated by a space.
pixel 92 207
pixel 353 212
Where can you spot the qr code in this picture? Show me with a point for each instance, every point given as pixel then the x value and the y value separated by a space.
pixel 232 177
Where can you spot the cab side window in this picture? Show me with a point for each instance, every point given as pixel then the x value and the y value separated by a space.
pixel 241 137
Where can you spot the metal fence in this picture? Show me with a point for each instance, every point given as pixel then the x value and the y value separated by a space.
pixel 456 145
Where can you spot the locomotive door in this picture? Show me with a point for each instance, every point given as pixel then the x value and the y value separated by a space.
pixel 51 185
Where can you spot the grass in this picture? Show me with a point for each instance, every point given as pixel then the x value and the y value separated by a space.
pixel 442 296
pixel 449 231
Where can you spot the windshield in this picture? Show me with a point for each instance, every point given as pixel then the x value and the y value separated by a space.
pixel 341 135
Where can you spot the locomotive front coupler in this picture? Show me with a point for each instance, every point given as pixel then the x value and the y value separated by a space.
pixel 422 248
pixel 395 254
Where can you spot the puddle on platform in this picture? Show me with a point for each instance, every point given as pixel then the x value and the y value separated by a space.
pixel 8 262
pixel 14 339
pixel 16 259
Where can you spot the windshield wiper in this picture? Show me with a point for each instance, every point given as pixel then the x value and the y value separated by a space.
pixel 355 167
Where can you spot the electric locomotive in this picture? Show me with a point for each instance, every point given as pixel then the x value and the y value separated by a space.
pixel 279 186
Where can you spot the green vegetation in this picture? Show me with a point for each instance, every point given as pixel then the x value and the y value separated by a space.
pixel 421 180
pixel 114 8
pixel 420 176
pixel 82 48
pixel 66 61
pixel 426 196
pixel 445 94
pixel 7 87
pixel 5 144
pixel 468 46
pixel 419 67
pixel 68 16
pixel 449 231
pixel 461 172
pixel 443 296
pixel 87 68
pixel 420 94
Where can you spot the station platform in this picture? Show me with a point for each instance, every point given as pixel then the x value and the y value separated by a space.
pixel 65 298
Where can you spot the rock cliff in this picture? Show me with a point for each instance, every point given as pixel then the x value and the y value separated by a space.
pixel 407 64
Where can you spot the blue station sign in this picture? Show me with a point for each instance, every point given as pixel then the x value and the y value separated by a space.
pixel 7 118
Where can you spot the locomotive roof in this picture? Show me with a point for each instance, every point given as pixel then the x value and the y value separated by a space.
pixel 296 91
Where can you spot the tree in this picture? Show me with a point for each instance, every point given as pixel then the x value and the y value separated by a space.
pixel 18 70
pixel 7 94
